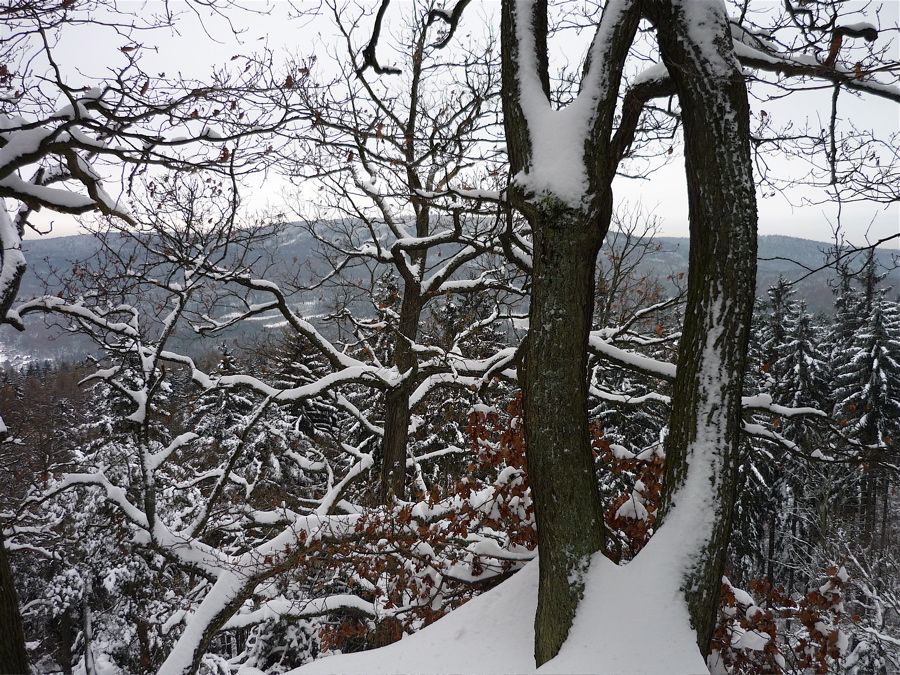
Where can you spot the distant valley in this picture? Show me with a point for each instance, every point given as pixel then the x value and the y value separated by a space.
pixel 779 256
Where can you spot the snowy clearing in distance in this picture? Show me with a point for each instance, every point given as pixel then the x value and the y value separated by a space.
pixel 632 621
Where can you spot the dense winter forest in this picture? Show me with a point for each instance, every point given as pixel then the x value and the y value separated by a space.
pixel 479 369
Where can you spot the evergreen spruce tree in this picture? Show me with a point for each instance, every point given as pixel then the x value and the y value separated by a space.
pixel 752 512
pixel 801 371
pixel 757 378
pixel 782 311
pixel 866 389
pixel 769 480
pixel 800 382
pixel 849 314
pixel 774 514
pixel 295 363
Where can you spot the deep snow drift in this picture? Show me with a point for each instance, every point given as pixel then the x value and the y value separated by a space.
pixel 632 621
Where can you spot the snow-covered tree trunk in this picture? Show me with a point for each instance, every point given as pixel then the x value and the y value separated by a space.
pixel 705 425
pixel 563 171
pixel 12 262
pixel 13 658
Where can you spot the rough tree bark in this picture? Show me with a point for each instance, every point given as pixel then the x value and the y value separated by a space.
pixel 396 402
pixel 13 658
pixel 705 423
pixel 553 377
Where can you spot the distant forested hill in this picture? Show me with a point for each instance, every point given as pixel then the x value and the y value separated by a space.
pixel 791 258
pixel 779 255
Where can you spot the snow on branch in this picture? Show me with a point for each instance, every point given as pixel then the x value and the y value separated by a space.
pixel 645 365
pixel 754 53
pixel 617 332
pixel 279 302
pixel 334 495
pixel 497 196
pixel 302 609
pixel 52 304
pixel 627 399
pixel 763 403
pixel 115 494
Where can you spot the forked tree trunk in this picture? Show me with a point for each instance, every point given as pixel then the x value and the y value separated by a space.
pixel 13 657
pixel 567 235
pixel 705 424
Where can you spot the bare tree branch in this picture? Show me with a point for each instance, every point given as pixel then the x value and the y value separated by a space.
pixel 370 58
pixel 450 18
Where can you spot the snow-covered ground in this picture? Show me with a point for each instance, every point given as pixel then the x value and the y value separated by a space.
pixel 632 621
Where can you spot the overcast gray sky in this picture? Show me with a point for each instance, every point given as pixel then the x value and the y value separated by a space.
pixel 196 50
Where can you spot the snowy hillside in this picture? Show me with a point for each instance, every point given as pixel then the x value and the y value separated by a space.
pixel 632 620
